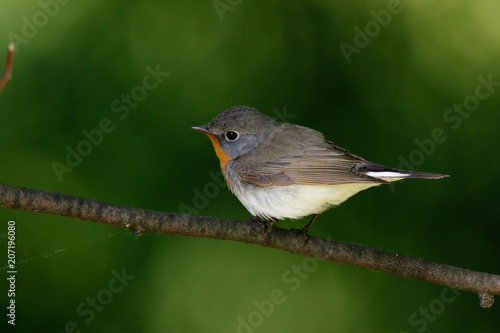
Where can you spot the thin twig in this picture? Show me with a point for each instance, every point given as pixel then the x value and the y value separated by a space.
pixel 7 73
pixel 142 220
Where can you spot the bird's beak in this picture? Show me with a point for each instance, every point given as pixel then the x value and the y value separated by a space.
pixel 202 129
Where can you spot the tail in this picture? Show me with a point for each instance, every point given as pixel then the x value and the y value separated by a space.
pixel 389 174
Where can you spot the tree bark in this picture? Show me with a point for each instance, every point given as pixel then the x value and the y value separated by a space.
pixel 248 231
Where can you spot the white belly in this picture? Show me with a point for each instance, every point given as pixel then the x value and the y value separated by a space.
pixel 293 201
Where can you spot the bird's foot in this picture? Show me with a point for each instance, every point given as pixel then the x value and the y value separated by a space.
pixel 265 224
pixel 303 232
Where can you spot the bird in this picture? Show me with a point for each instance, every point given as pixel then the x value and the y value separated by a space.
pixel 279 170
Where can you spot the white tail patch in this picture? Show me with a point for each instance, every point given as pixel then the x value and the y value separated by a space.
pixel 382 174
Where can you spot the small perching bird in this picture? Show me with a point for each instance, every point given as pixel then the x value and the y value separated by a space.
pixel 280 170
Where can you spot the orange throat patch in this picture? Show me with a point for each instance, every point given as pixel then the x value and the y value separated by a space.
pixel 223 157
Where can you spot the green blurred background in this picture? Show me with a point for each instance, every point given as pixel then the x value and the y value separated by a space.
pixel 285 59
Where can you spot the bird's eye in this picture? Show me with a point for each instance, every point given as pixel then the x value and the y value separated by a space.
pixel 231 136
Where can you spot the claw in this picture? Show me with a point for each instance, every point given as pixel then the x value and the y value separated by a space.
pixel 304 230
pixel 266 224
pixel 305 236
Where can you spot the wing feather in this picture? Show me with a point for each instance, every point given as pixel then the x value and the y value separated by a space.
pixel 300 157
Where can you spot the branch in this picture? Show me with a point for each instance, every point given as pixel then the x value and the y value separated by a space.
pixel 7 73
pixel 142 220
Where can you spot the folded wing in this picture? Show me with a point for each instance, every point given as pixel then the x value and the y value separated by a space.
pixel 302 158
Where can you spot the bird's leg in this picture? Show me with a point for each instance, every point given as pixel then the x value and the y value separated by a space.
pixel 253 219
pixel 304 230
pixel 271 223
pixel 264 224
